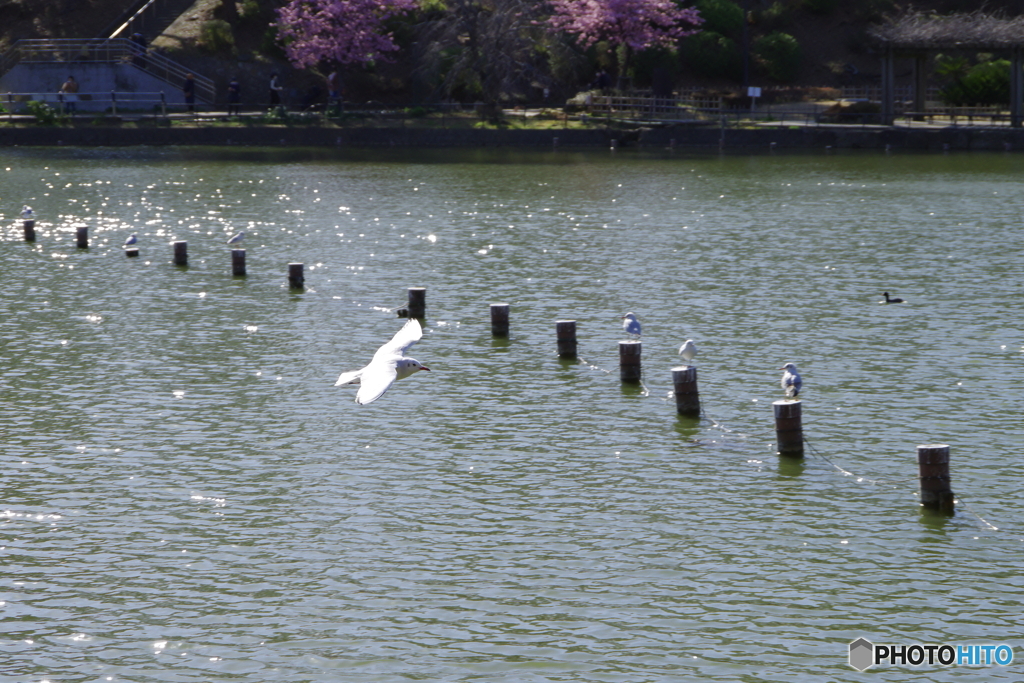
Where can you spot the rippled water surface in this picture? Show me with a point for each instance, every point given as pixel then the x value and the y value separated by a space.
pixel 187 497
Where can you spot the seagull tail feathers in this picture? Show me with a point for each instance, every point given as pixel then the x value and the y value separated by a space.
pixel 351 377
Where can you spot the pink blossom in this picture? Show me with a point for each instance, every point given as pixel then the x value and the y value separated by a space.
pixel 342 31
pixel 639 24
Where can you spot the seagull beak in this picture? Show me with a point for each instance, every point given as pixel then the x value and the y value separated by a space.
pixel 424 367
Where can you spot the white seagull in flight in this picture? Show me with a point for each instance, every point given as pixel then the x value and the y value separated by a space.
pixel 791 381
pixel 387 365
pixel 630 324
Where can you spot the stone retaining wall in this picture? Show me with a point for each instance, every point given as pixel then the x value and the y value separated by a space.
pixel 837 137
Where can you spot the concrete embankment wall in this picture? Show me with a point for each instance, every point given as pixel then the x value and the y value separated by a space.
pixel 837 137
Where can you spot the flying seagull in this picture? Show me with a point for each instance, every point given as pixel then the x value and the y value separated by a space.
pixel 630 324
pixel 387 365
pixel 791 381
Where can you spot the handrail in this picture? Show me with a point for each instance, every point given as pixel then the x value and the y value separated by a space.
pixel 112 51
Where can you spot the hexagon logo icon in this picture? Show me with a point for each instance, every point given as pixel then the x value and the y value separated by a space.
pixel 862 654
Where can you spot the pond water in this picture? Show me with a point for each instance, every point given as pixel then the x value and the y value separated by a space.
pixel 187 497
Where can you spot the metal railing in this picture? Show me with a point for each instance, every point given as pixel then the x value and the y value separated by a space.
pixel 103 51
pixel 147 102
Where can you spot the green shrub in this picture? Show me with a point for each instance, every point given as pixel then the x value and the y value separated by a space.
pixel 712 55
pixel 720 16
pixel 250 10
pixel 987 83
pixel 216 36
pixel 777 16
pixel 778 54
pixel 44 113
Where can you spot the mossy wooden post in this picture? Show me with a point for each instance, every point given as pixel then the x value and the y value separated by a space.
pixel 789 431
pixel 417 302
pixel 933 463
pixel 499 320
pixel 684 384
pixel 82 237
pixel 629 360
pixel 296 278
pixel 30 230
pixel 565 333
pixel 181 253
pixel 238 262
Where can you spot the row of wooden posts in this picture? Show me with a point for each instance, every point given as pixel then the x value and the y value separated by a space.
pixel 296 271
pixel 933 460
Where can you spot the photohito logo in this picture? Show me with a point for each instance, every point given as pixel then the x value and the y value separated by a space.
pixel 865 654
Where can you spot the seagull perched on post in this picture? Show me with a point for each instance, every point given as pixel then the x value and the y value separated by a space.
pixel 27 213
pixel 630 324
pixel 688 350
pixel 791 381
pixel 387 365
pixel 237 237
pixel 132 239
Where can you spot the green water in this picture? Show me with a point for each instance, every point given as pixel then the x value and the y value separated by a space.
pixel 187 497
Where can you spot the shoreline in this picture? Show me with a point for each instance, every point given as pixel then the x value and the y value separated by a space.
pixel 950 138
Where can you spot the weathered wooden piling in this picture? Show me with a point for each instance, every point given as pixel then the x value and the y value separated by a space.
pixel 131 252
pixel 238 262
pixel 30 230
pixel 565 333
pixel 82 237
pixel 499 320
pixel 296 278
pixel 417 302
pixel 614 144
pixel 684 386
pixel 629 360
pixel 933 463
pixel 789 432
pixel 554 142
pixel 181 253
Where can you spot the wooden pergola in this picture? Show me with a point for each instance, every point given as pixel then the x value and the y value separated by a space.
pixel 917 35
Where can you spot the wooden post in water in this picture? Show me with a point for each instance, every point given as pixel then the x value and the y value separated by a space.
pixel 131 252
pixel 565 332
pixel 933 463
pixel 82 237
pixel 181 253
pixel 296 279
pixel 417 302
pixel 789 432
pixel 30 230
pixel 499 320
pixel 629 360
pixel 238 262
pixel 684 383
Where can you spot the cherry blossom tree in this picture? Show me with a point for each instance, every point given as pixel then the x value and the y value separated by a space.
pixel 341 31
pixel 630 25
pixel 637 24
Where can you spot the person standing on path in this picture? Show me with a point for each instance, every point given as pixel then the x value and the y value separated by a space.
pixel 188 89
pixel 70 90
pixel 234 97
pixel 275 90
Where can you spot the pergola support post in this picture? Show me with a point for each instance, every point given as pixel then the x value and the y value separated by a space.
pixel 888 87
pixel 1016 88
pixel 920 87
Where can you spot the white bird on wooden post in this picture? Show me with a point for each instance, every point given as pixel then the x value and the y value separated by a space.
pixel 132 239
pixel 791 381
pixel 630 324
pixel 387 365
pixel 237 237
pixel 688 350
pixel 27 213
